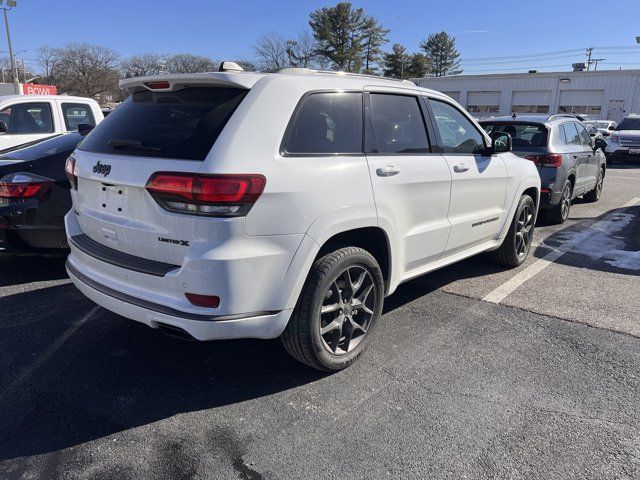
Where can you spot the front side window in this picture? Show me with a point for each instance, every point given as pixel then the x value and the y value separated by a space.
pixel 28 118
pixel 398 126
pixel 457 133
pixel 75 114
pixel 585 138
pixel 326 123
pixel 183 124
pixel 571 134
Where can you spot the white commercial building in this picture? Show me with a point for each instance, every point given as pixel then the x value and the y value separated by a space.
pixel 606 94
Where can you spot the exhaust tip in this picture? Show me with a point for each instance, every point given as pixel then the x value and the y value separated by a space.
pixel 176 332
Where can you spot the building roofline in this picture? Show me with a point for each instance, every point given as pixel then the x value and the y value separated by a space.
pixel 526 74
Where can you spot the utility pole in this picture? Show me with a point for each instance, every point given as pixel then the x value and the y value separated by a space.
pixel 14 68
pixel 595 61
pixel 589 62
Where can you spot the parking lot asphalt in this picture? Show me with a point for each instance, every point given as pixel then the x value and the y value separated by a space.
pixel 475 372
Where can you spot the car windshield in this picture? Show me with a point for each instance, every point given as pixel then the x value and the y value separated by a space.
pixel 599 124
pixel 183 124
pixel 524 136
pixel 629 124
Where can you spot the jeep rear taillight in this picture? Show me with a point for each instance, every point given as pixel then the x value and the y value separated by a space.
pixel 209 195
pixel 553 160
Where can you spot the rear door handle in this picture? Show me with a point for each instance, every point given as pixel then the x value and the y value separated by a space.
pixel 387 171
pixel 460 168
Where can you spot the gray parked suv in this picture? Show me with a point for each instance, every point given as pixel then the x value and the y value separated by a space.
pixel 570 163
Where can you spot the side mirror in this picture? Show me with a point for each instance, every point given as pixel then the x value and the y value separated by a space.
pixel 85 128
pixel 599 144
pixel 611 127
pixel 4 128
pixel 500 143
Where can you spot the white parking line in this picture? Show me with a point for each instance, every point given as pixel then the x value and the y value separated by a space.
pixel 44 356
pixel 508 287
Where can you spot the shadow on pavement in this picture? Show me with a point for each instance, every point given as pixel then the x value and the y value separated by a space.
pixel 114 374
pixel 21 268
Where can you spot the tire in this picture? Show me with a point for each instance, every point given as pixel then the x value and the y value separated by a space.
pixel 328 287
pixel 560 212
pixel 594 195
pixel 516 245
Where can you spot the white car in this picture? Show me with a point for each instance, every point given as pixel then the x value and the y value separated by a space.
pixel 624 142
pixel 229 205
pixel 28 118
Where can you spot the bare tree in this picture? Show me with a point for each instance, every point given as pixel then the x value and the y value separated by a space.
pixel 142 65
pixel 48 59
pixel 6 72
pixel 271 50
pixel 275 51
pixel 86 70
pixel 188 63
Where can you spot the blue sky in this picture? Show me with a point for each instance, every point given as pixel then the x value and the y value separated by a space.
pixel 225 29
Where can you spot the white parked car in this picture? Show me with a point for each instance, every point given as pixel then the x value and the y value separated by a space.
pixel 624 142
pixel 229 205
pixel 26 118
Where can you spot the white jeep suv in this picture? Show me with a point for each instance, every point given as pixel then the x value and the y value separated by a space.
pixel 228 205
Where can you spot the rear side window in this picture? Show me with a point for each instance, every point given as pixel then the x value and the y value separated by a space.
pixel 326 123
pixel 75 114
pixel 571 134
pixel 398 126
pixel 457 133
pixel 524 136
pixel 181 125
pixel 28 118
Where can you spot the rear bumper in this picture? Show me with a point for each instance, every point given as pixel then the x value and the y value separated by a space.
pixel 251 275
pixel 200 326
pixel 622 155
pixel 549 199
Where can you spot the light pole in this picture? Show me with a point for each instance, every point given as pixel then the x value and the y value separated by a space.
pixel 14 68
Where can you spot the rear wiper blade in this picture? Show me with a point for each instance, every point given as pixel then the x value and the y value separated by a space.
pixel 126 143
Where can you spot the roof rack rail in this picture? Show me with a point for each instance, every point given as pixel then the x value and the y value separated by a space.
pixel 304 70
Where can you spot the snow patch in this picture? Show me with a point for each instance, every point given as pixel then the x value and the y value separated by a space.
pixel 602 241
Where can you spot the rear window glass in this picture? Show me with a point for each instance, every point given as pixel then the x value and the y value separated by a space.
pixel 181 125
pixel 524 136
pixel 75 114
pixel 629 124
pixel 326 123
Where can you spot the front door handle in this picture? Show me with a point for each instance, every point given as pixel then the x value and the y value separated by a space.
pixel 460 168
pixel 387 171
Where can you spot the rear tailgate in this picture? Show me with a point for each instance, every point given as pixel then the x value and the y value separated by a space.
pixel 116 210
pixel 167 131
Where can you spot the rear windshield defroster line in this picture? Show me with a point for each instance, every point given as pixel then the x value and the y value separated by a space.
pixel 182 125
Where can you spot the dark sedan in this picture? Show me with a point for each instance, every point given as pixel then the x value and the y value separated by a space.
pixel 34 192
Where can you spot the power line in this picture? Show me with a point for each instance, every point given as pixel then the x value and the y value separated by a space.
pixel 548 54
pixel 513 69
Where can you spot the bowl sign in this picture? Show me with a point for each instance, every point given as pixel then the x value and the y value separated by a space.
pixel 33 89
